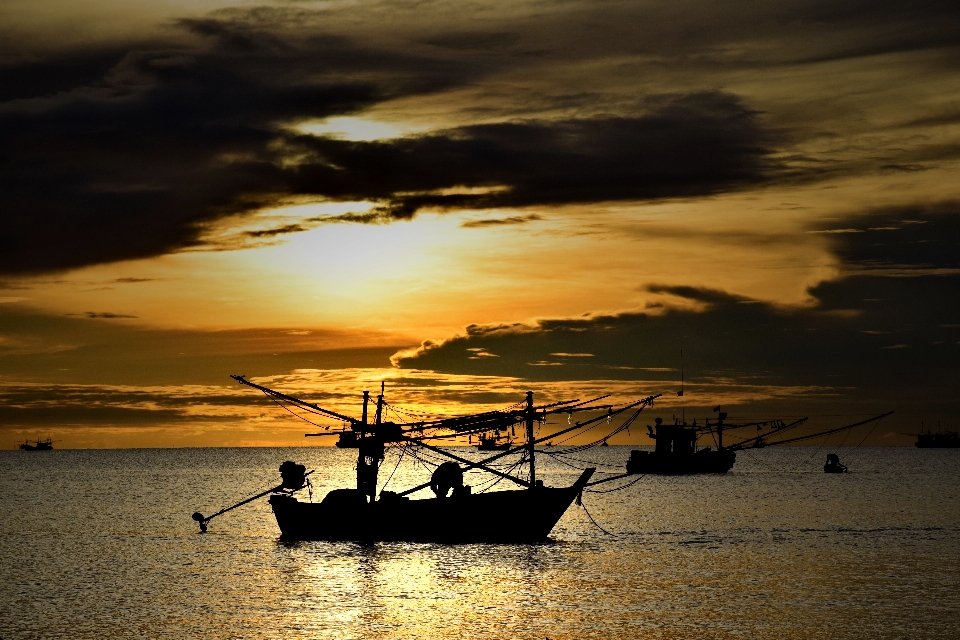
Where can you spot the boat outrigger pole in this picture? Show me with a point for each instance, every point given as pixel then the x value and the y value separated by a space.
pixel 829 431
pixel 297 401
pixel 294 476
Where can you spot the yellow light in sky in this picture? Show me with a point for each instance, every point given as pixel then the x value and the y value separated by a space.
pixel 430 276
pixel 357 129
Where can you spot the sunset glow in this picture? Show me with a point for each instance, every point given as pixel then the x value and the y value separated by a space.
pixel 331 195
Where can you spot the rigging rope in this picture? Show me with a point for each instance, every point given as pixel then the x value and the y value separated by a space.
pixel 620 488
pixel 399 460
pixel 293 413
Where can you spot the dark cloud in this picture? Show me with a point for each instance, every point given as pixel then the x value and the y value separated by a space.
pixel 32 405
pixel 474 40
pixel 41 347
pixel 913 238
pixel 277 231
pixel 496 222
pixel 128 153
pixel 107 315
pixel 683 145
pixel 118 152
pixel 886 333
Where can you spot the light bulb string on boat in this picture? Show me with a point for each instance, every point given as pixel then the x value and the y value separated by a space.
pixel 563 458
pixel 584 447
pixel 429 458
pixel 439 417
pixel 510 415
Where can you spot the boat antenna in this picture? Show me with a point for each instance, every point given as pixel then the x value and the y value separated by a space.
pixel 683 416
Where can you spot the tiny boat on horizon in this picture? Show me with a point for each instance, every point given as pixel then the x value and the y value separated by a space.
pixel 38 445
pixel 495 442
pixel 938 440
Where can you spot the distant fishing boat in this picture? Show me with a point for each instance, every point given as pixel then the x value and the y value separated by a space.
pixel 456 514
pixel 493 443
pixel 38 445
pixel 676 451
pixel 347 440
pixel 938 440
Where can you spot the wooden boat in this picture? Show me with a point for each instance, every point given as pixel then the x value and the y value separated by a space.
pixel 456 514
pixel 523 515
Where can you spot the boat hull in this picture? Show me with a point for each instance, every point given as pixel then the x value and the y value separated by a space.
pixel 494 447
pixel 938 441
pixel 647 462
pixel 526 515
pixel 40 446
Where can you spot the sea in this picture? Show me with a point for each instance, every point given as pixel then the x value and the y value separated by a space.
pixel 100 544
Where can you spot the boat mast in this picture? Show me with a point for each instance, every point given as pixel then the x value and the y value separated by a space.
pixel 361 452
pixel 370 451
pixel 720 418
pixel 531 441
pixel 683 415
pixel 376 450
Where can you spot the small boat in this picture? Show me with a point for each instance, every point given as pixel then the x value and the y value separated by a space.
pixel 833 464
pixel 676 451
pixel 347 440
pixel 526 515
pixel 493 443
pixel 38 445
pixel 938 440
pixel 456 514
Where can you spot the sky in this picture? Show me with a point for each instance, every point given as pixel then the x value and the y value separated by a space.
pixel 467 200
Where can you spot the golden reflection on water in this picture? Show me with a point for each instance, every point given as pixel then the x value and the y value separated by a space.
pixel 100 544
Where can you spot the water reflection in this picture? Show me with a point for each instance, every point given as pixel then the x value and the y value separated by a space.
pixel 377 590
pixel 100 544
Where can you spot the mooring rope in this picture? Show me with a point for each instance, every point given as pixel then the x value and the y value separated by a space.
pixel 594 521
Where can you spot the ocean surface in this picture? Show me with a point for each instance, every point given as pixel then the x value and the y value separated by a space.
pixel 100 544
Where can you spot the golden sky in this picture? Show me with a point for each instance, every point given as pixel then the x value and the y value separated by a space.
pixel 456 197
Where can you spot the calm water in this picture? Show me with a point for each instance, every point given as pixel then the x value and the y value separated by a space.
pixel 100 544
